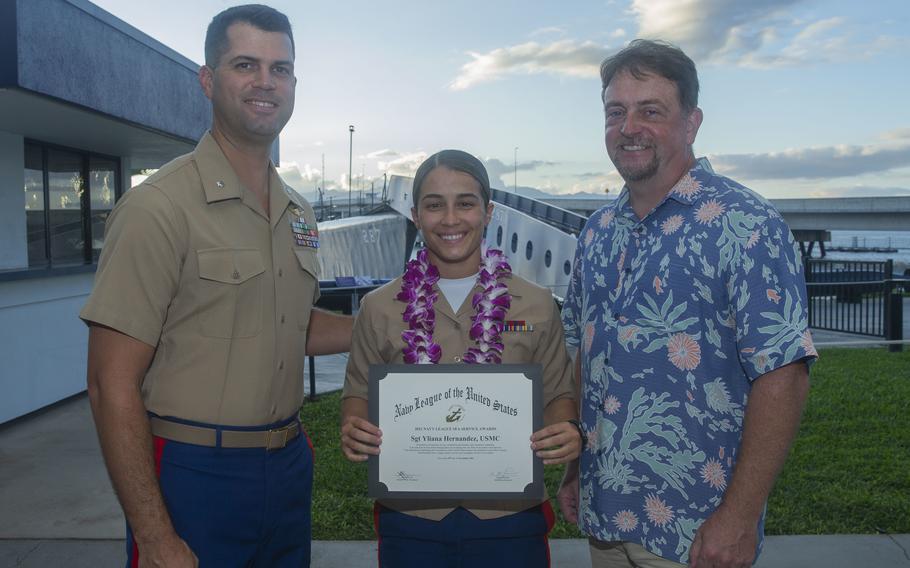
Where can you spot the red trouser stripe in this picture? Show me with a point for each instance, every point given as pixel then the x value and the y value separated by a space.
pixel 550 516
pixel 378 536
pixel 158 451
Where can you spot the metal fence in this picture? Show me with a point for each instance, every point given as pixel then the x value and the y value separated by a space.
pixel 824 270
pixel 859 297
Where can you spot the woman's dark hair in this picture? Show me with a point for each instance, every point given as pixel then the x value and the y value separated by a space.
pixel 454 160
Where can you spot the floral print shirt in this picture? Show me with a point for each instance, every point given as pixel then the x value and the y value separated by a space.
pixel 675 315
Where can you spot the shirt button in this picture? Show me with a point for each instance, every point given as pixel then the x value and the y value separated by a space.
pixel 274 409
pixel 280 272
pixel 628 270
pixel 281 365
pixel 282 318
pixel 616 315
pixel 457 359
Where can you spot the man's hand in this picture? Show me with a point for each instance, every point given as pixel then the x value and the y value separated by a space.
pixel 172 552
pixel 724 540
pixel 567 496
pixel 563 440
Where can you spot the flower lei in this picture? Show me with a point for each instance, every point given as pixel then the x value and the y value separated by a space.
pixel 490 307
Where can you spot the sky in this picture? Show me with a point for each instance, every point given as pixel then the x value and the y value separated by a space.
pixel 801 98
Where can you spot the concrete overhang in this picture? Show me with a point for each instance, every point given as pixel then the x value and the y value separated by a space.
pixel 48 120
pixel 75 75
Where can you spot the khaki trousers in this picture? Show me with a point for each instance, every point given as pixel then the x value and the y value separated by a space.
pixel 618 554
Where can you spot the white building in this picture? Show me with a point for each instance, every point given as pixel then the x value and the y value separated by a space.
pixel 85 101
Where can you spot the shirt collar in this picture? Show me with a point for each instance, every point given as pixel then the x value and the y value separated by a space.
pixel 218 178
pixel 220 182
pixel 687 190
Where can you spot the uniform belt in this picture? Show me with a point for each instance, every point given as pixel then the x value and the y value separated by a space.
pixel 274 439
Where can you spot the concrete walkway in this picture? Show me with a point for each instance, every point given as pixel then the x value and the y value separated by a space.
pixel 57 507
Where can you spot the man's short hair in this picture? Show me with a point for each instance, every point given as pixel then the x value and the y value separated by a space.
pixel 260 17
pixel 643 56
pixel 454 160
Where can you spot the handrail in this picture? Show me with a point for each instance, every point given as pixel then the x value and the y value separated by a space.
pixel 557 217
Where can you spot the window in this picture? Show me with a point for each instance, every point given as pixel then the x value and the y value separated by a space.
pixel 68 196
pixel 65 187
pixel 35 221
pixel 102 176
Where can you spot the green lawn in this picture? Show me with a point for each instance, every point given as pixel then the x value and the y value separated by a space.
pixel 849 471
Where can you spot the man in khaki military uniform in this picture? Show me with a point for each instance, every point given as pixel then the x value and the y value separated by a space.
pixel 200 319
pixel 451 208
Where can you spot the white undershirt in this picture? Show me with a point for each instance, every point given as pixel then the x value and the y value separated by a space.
pixel 456 290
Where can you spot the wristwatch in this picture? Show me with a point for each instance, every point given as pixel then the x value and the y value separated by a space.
pixel 581 432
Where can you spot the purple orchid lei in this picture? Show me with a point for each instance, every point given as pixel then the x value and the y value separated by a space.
pixel 490 308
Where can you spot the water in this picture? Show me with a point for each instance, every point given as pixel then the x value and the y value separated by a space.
pixel 893 239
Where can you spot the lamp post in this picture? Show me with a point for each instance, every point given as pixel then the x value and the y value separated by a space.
pixel 322 191
pixel 360 187
pixel 515 165
pixel 350 158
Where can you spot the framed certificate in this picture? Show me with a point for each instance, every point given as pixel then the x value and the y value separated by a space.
pixel 456 431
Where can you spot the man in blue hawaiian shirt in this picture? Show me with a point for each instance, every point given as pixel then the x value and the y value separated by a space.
pixel 688 307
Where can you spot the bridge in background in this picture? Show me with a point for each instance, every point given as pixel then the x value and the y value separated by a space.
pixel 822 214
pixel 539 236
pixel 539 239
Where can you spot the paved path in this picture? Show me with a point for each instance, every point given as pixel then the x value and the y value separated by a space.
pixel 836 551
pixel 57 507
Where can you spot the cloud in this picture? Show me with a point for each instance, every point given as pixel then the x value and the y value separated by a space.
pixel 565 57
pixel 591 183
pixel 897 134
pixel 384 153
pixel 589 175
pixel 300 179
pixel 759 33
pixel 814 163
pixel 705 28
pixel 499 170
pixel 404 164
pixel 548 31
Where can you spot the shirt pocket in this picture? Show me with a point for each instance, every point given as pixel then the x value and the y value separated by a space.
pixel 230 296
pixel 309 265
pixel 519 346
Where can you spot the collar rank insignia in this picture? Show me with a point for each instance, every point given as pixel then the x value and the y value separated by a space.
pixel 305 235
pixel 518 326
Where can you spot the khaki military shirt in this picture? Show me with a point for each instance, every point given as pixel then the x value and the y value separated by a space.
pixel 377 340
pixel 194 266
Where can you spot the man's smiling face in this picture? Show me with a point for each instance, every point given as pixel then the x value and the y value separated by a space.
pixel 252 87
